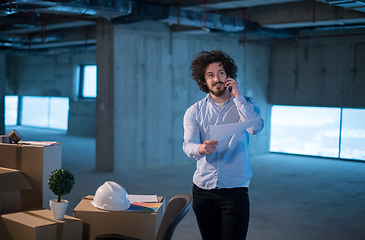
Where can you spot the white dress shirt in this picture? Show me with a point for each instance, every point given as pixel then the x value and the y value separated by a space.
pixel 228 166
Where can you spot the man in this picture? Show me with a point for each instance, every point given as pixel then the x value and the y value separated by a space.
pixel 222 177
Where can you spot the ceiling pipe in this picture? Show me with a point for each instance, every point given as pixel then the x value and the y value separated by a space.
pixel 122 12
pixel 107 9
pixel 50 27
pixel 52 45
pixel 119 11
pixel 314 10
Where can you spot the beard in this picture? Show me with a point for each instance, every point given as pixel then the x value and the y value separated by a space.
pixel 218 92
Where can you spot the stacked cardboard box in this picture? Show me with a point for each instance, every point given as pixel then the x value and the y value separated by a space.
pixel 39 225
pixel 24 192
pixel 11 182
pixel 24 176
pixel 36 163
pixel 141 223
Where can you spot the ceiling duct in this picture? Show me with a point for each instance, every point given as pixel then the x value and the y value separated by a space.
pixel 119 11
pixel 208 21
pixel 203 20
pixel 107 9
pixel 26 29
pixel 350 5
pixel 270 32
pixel 142 10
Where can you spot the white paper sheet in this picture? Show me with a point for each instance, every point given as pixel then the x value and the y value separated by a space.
pixel 40 143
pixel 142 198
pixel 220 132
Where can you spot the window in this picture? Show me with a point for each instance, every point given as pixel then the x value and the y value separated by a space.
pixel 45 112
pixel 58 113
pixel 353 134
pixel 11 110
pixel 35 111
pixel 87 81
pixel 318 131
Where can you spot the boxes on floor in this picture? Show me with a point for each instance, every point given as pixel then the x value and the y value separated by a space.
pixel 11 182
pixel 39 225
pixel 37 162
pixel 138 222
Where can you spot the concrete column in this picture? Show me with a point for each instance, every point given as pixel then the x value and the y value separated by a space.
pixel 2 92
pixel 105 97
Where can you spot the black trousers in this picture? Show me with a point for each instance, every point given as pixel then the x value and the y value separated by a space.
pixel 222 213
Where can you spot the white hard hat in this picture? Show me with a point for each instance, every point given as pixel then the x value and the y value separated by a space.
pixel 111 196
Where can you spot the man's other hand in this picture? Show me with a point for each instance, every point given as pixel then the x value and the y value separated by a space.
pixel 208 147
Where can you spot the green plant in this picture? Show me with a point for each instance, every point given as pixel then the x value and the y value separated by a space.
pixel 61 181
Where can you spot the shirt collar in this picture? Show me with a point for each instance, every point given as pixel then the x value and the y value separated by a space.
pixel 209 98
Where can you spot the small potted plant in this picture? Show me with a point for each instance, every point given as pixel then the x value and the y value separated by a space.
pixel 60 181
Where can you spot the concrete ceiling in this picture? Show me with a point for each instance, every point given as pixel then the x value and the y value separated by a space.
pixel 46 26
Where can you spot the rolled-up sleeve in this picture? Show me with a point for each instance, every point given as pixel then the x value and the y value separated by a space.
pixel 191 134
pixel 248 109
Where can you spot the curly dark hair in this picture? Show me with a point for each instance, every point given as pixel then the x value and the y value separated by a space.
pixel 203 59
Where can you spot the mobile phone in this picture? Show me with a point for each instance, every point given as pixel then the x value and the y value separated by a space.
pixel 230 87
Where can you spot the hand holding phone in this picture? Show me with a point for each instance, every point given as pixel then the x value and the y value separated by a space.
pixel 232 86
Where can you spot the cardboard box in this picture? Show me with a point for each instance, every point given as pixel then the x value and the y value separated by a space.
pixel 11 182
pixel 39 225
pixel 141 224
pixel 37 163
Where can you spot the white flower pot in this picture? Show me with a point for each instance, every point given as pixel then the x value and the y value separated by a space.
pixel 58 208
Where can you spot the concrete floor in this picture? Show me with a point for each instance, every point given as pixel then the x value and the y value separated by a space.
pixel 292 197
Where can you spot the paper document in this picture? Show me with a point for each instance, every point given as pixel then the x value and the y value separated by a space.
pixel 145 207
pixel 220 132
pixel 39 143
pixel 142 198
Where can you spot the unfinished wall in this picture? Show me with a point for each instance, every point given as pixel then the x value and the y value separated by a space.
pixel 153 89
pixel 326 72
pixel 256 79
pixel 2 92
pixel 54 76
pixel 81 121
